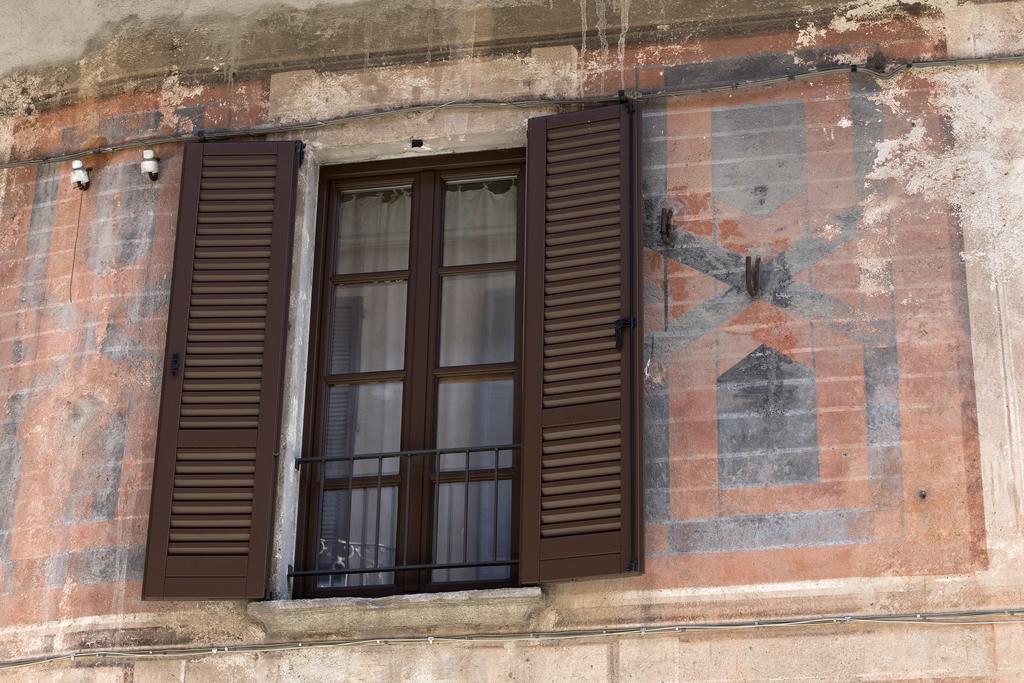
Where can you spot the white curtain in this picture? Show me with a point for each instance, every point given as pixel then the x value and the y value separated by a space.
pixel 373 234
pixel 480 222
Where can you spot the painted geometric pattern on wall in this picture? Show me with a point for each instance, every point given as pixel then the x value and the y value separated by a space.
pixel 753 444
pixel 827 426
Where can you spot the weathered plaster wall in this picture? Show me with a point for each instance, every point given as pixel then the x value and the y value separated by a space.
pixel 95 48
pixel 901 197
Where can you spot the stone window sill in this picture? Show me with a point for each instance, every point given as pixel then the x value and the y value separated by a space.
pixel 475 611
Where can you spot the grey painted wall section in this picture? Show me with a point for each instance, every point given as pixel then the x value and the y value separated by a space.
pixel 767 422
pixel 10 466
pixel 758 155
pixel 763 532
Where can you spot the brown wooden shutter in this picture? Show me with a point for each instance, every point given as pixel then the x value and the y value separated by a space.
pixel 581 460
pixel 213 485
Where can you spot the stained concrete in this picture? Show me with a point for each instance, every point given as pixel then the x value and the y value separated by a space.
pixel 481 611
pixel 104 47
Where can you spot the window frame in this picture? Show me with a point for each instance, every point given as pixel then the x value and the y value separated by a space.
pixel 422 372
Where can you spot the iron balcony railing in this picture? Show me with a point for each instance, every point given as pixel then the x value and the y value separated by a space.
pixel 376 472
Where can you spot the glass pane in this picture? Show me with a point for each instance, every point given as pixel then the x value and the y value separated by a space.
pixel 357 531
pixel 368 328
pixel 478 318
pixel 480 221
pixel 373 230
pixel 474 414
pixel 487 538
pixel 361 419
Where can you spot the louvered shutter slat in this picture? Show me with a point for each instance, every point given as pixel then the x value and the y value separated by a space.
pixel 210 521
pixel 581 419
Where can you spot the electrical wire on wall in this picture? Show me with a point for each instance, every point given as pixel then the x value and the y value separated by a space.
pixel 962 618
pixel 492 103
pixel 74 249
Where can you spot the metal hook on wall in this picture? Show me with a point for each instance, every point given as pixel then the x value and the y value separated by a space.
pixel 752 276
pixel 666 227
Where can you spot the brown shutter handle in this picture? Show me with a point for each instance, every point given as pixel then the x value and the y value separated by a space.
pixel 175 364
pixel 619 326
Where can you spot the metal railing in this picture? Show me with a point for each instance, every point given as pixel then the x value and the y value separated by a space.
pixel 402 471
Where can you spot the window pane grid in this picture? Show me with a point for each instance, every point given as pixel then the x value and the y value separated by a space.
pixel 373 229
pixel 360 419
pixel 478 318
pixel 368 324
pixel 480 220
pixel 371 289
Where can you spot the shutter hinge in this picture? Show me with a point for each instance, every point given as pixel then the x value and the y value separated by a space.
pixel 628 101
pixel 302 153
pixel 175 364
pixel 620 325
pixel 633 566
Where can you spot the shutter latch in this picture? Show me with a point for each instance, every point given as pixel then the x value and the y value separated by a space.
pixel 621 324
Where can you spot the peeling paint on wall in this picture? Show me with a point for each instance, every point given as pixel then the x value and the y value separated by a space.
pixel 173 95
pixel 981 170
pixel 6 142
